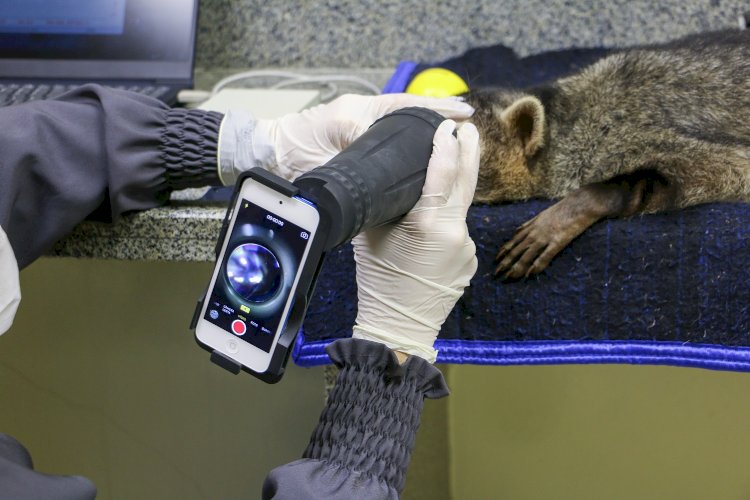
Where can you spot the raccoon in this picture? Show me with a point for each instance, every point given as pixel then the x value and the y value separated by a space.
pixel 643 130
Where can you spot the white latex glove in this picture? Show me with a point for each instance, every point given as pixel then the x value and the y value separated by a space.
pixel 296 143
pixel 410 274
pixel 10 292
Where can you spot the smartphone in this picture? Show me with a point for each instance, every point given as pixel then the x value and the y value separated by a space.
pixel 267 242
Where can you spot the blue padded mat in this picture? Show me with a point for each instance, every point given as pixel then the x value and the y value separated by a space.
pixel 657 289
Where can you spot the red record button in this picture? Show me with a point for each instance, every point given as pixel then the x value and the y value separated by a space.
pixel 239 327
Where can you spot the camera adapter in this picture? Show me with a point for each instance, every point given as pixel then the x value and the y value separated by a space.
pixel 378 178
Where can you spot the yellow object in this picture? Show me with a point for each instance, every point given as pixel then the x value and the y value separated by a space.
pixel 437 82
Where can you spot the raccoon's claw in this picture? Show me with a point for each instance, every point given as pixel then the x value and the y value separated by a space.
pixel 503 251
pixel 529 251
pixel 520 260
pixel 513 258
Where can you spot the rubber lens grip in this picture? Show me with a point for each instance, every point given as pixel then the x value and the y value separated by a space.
pixel 378 178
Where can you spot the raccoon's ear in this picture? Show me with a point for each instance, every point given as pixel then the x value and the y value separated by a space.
pixel 525 117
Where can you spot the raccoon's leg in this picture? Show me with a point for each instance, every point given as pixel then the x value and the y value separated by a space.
pixel 537 242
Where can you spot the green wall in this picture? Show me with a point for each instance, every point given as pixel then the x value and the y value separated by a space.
pixel 100 376
pixel 599 432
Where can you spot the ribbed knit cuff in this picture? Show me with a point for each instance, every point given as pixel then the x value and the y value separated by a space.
pixel 188 148
pixel 373 412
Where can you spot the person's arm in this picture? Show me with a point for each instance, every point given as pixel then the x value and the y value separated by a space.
pixel 95 152
pixel 91 150
pixel 98 152
pixel 409 277
pixel 362 444
pixel 295 143
pixel 19 480
pixel 10 291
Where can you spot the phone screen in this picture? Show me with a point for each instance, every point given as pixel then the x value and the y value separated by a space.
pixel 258 269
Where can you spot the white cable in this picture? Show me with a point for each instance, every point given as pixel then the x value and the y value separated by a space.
pixel 191 96
pixel 295 79
pixel 332 92
pixel 338 78
pixel 251 74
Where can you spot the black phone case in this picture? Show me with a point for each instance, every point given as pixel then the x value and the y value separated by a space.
pixel 302 293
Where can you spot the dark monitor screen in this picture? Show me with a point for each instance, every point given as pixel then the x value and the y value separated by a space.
pixel 97 38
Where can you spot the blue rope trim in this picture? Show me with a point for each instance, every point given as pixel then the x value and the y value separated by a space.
pixel 709 356
pixel 400 78
pixel 300 346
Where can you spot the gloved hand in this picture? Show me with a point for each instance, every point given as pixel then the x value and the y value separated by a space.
pixel 410 275
pixel 296 143
pixel 10 291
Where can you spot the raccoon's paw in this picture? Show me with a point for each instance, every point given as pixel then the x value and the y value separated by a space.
pixel 533 246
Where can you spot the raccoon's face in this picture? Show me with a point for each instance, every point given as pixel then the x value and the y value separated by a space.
pixel 511 131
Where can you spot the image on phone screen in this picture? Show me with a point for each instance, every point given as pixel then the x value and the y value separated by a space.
pixel 256 274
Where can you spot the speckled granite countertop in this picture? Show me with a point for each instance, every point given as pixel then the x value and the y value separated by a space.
pixel 357 33
pixel 185 230
pixel 182 231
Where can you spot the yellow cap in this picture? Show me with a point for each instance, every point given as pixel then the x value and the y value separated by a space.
pixel 437 82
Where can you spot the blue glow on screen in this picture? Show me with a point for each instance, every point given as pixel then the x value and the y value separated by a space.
pixel 67 17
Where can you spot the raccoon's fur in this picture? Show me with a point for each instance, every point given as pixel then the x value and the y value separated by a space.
pixel 669 123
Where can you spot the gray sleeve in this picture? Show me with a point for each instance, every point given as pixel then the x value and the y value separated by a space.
pixel 19 480
pixel 362 444
pixel 97 153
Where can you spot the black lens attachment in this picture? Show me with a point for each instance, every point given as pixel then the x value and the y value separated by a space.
pixel 378 178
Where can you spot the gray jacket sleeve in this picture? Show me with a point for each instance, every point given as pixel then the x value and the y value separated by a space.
pixel 19 481
pixel 97 153
pixel 93 152
pixel 362 444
